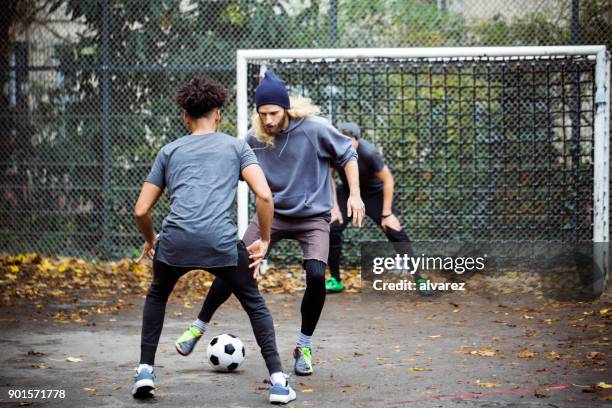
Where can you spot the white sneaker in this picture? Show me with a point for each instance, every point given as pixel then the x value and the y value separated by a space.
pixel 282 394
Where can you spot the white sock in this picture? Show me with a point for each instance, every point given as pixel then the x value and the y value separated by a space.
pixel 304 341
pixel 146 367
pixel 278 378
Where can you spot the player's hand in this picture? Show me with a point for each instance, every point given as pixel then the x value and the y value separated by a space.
pixel 355 209
pixel 258 251
pixel 390 222
pixel 336 215
pixel 148 249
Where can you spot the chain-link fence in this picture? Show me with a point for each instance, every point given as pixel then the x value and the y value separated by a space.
pixel 88 87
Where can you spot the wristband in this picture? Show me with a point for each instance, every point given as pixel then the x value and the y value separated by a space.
pixel 388 215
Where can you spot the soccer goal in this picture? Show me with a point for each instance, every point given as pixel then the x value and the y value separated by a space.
pixel 485 143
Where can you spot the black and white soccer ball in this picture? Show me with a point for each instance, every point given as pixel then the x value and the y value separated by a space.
pixel 225 352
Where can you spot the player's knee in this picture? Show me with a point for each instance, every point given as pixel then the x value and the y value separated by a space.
pixel 158 293
pixel 396 236
pixel 256 309
pixel 315 272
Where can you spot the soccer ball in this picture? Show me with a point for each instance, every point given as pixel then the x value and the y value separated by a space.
pixel 225 352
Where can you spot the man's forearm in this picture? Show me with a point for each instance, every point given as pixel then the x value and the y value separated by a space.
pixel 388 186
pixel 145 225
pixel 265 214
pixel 352 176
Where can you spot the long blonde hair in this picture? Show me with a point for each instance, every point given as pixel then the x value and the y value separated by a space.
pixel 301 107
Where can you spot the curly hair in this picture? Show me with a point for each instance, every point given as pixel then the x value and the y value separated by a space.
pixel 201 95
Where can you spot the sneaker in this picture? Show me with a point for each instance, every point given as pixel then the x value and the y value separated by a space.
pixel 423 292
pixel 303 361
pixel 144 384
pixel 334 285
pixel 282 394
pixel 188 340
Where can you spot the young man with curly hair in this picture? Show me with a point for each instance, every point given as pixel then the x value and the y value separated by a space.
pixel 200 172
pixel 295 149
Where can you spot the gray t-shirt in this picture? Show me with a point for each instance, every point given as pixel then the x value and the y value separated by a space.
pixel 201 173
pixel 297 165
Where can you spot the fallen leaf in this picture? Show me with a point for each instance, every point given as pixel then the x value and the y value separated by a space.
pixel 307 390
pixel 419 369
pixel 484 352
pixel 595 355
pixel 526 354
pixel 487 384
pixel 71 359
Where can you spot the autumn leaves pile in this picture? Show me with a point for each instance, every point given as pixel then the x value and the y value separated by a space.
pixel 32 276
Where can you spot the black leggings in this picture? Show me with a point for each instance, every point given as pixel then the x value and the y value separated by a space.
pixel 312 302
pixel 239 280
pixel 373 207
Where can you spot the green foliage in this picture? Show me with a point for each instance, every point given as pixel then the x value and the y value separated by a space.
pixel 398 23
pixel 539 29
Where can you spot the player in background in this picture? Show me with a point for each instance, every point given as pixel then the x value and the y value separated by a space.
pixel 377 186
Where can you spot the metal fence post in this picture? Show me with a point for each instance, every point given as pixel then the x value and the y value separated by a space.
pixel 333 36
pixel 575 22
pixel 106 128
pixel 575 111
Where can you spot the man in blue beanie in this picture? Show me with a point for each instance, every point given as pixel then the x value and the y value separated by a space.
pixel 376 184
pixel 296 150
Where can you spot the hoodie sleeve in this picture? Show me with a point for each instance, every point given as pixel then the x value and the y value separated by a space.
pixel 334 146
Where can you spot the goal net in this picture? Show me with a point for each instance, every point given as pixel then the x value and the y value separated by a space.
pixel 484 144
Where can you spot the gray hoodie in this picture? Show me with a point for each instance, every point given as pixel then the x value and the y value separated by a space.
pixel 297 165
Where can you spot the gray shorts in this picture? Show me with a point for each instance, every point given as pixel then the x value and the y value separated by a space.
pixel 312 233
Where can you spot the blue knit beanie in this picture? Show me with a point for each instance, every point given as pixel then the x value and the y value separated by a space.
pixel 271 91
pixel 351 127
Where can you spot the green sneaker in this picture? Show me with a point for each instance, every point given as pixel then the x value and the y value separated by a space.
pixel 334 285
pixel 303 361
pixel 188 340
